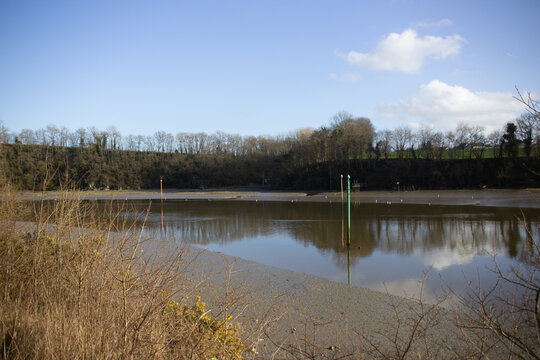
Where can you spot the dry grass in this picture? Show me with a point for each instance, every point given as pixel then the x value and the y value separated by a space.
pixel 75 286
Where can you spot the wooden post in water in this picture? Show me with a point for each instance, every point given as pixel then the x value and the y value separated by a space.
pixel 341 187
pixel 348 210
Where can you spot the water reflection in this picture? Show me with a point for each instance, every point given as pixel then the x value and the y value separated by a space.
pixel 309 237
pixel 403 229
pixel 348 265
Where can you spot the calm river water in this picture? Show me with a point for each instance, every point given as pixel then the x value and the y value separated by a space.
pixel 391 245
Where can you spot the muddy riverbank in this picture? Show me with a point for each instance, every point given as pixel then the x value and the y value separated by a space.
pixel 526 198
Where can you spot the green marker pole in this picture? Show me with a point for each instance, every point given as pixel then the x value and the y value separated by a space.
pixel 348 210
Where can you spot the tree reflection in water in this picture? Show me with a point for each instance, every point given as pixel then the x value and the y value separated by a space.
pixel 391 243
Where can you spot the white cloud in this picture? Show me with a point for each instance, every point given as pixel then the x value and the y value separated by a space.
pixel 441 259
pixel 406 51
pixel 409 288
pixel 442 106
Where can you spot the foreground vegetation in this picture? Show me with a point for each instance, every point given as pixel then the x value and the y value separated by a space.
pixel 73 286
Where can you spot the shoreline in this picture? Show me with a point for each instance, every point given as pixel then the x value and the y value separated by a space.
pixel 523 198
pixel 286 308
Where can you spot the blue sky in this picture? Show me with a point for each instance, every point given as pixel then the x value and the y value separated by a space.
pixel 264 67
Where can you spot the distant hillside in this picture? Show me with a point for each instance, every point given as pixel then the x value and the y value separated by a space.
pixel 30 166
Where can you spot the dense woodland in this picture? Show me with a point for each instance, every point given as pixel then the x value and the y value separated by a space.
pixel 306 159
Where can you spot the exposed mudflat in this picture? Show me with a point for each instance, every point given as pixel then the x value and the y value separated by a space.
pixel 526 198
pixel 283 310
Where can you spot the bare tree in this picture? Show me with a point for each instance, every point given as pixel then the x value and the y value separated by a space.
pixel 233 143
pixel 96 134
pixel 449 139
pixel 527 125
pixel 27 136
pixel 181 142
pixel 471 138
pixel 201 143
pixel 4 133
pixel 82 135
pixel 189 143
pixel 477 141
pixel 73 139
pixel 53 134
pixel 339 118
pixel 533 109
pixel 140 142
pixel 402 140
pixel 169 142
pixel 114 137
pixel 423 137
pixel 130 142
pixel 461 139
pixel 438 144
pixel 160 138
pixel 432 142
pixel 63 135
pixel 494 138
pixel 163 141
pixel 41 137
pixel 220 142
pixel 150 143
pixel 249 145
pixel 384 142
pixel 532 106
pixel 99 137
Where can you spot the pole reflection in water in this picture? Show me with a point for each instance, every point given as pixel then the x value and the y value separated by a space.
pixel 342 225
pixel 349 265
pixel 162 225
pixel 348 210
pixel 342 215
pixel 161 197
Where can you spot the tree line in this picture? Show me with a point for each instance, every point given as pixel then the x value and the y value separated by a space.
pixel 308 158
pixel 346 137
